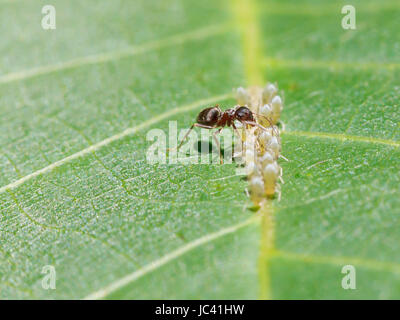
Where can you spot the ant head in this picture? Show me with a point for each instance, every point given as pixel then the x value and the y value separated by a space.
pixel 243 113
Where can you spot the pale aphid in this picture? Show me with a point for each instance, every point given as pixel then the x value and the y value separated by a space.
pixel 269 92
pixel 270 142
pixel 250 156
pixel 250 139
pixel 275 146
pixel 242 96
pixel 264 139
pixel 276 106
pixel 271 174
pixel 256 187
pixel 251 169
pixel 250 142
pixel 265 115
pixel 267 158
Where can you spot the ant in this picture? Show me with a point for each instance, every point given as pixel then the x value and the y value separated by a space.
pixel 214 117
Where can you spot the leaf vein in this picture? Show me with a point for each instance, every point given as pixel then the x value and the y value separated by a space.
pixel 105 142
pixel 333 65
pixel 369 264
pixel 105 57
pixel 134 276
pixel 341 137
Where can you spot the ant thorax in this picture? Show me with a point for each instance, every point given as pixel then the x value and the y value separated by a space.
pixel 230 112
pixel 228 117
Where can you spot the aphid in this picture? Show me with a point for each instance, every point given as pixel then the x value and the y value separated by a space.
pixel 249 156
pixel 267 158
pixel 256 189
pixel 271 174
pixel 250 169
pixel 264 138
pixel 242 96
pixel 265 111
pixel 269 92
pixel 275 146
pixel 276 104
pixel 214 117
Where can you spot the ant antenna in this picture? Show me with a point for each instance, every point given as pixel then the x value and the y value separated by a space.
pixel 270 122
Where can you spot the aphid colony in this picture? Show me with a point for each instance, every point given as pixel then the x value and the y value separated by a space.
pixel 258 112
pixel 261 148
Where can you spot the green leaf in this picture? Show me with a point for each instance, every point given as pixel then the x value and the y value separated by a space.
pixel 77 193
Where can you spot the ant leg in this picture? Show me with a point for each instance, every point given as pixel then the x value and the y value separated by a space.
pixel 280 175
pixel 187 134
pixel 279 192
pixel 251 123
pixel 239 136
pixel 237 131
pixel 284 158
pixel 184 138
pixel 203 126
pixel 258 145
pixel 270 123
pixel 255 124
pixel 218 144
pixel 209 127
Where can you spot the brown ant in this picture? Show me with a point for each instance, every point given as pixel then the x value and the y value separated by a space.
pixel 214 117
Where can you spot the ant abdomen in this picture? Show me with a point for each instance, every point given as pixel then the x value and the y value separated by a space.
pixel 209 116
